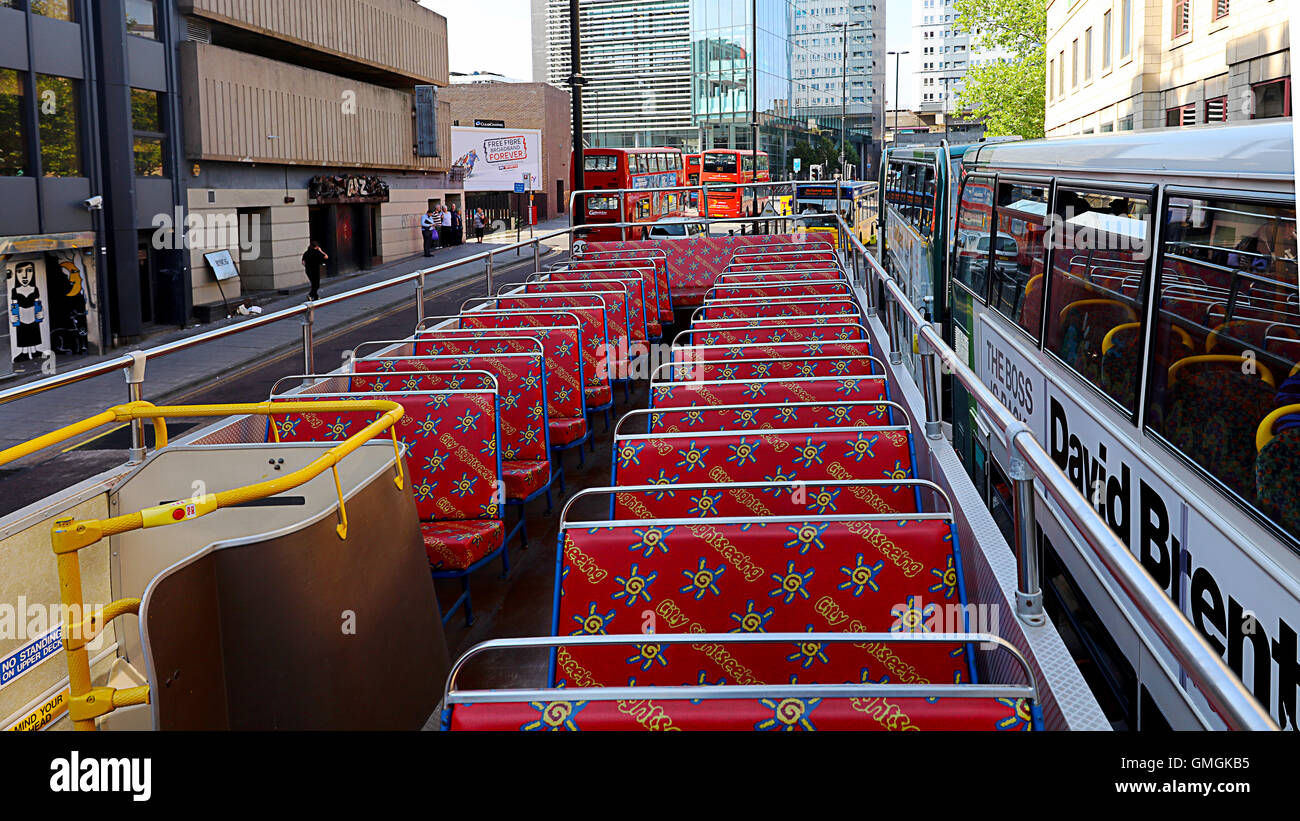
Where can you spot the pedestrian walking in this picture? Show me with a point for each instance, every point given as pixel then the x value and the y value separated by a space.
pixel 427 227
pixel 312 260
pixel 457 227
pixel 480 222
pixel 444 219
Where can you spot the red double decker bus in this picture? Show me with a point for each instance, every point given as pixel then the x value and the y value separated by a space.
pixel 631 168
pixel 733 166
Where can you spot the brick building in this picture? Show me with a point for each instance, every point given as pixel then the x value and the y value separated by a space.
pixel 524 105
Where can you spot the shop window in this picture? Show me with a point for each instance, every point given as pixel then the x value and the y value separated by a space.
pixel 60 133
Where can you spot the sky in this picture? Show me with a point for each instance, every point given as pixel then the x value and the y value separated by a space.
pixel 495 37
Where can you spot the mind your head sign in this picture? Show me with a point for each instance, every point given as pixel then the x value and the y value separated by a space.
pixel 496 158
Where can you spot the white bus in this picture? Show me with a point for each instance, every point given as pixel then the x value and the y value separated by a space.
pixel 1140 312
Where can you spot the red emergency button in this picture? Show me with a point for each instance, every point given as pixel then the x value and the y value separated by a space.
pixel 178 513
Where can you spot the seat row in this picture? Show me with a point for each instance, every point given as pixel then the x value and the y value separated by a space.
pixel 765 505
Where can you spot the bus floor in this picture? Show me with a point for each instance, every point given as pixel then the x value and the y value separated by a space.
pixel 523 603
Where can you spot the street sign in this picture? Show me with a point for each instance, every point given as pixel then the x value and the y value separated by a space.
pixel 519 188
pixel 223 267
pixel 797 162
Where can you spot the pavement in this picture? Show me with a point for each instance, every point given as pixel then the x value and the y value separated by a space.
pixel 174 375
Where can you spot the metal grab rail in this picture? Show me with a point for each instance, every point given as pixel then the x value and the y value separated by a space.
pixel 69 536
pixel 1225 692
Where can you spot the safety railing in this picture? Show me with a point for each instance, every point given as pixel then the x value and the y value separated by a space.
pixel 1223 690
pixel 133 364
pixel 70 536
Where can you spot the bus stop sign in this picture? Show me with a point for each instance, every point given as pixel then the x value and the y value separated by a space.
pixel 797 162
pixel 519 188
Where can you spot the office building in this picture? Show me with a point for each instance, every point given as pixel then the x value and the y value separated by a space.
pixel 1119 65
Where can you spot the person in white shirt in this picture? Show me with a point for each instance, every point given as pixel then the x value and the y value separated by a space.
pixel 444 235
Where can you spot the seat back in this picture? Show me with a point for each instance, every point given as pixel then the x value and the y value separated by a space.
pixel 727 575
pixel 798 275
pixel 778 455
pixel 451 439
pixel 778 308
pixel 778 290
pixel 743 392
pixel 522 381
pixel 623 294
pixel 761 416
pixel 560 344
pixel 520 313
pixel 759 331
pixel 768 368
pixel 639 261
pixel 767 350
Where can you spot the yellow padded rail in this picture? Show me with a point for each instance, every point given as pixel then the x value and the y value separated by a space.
pixel 86 703
pixel 1264 433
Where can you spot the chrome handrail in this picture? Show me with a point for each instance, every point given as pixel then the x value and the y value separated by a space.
pixel 1222 689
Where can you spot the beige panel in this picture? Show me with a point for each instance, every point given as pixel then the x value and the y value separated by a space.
pixel 28 576
pixel 393 35
pixel 236 101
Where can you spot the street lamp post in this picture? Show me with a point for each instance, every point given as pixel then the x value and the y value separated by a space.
pixel 576 82
pixel 897 55
pixel 844 85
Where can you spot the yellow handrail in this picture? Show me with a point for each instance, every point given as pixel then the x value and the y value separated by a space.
pixel 1262 370
pixel 69 536
pixel 1264 433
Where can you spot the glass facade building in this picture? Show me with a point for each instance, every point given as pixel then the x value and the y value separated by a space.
pixel 701 74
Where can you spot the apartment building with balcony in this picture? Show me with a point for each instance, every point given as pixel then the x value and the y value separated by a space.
pixel 301 126
pixel 1119 65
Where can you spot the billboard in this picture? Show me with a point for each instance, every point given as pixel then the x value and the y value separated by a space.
pixel 497 158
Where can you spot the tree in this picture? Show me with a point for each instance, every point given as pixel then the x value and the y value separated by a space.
pixel 1009 95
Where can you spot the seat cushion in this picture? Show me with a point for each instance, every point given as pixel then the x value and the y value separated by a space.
pixel 653 329
pixel 565 430
pixel 598 396
pixel 455 545
pixel 524 478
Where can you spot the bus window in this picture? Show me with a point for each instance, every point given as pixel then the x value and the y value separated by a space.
pixel 747 164
pixel 1226 345
pixel 720 162
pixel 910 188
pixel 1017 254
pixel 1095 296
pixel 762 162
pixel 925 212
pixel 974 220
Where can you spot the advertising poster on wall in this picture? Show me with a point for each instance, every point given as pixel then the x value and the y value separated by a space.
pixel 497 158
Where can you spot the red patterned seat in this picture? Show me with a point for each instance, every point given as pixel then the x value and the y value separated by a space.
pixel 764 416
pixel 565 402
pixel 758 331
pixel 650 299
pixel 774 308
pixel 742 392
pixel 455 471
pixel 790 714
pixel 524 439
pixel 625 295
pixel 780 290
pixel 772 350
pixel 796 275
pixel 650 258
pixel 694 264
pixel 780 455
pixel 457 545
pixel 720 576
pixel 519 313
pixel 770 368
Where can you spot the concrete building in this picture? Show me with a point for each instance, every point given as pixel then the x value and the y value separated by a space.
pixel 88 154
pixel 302 126
pixel 1118 65
pixel 509 105
pixel 822 63
pixel 636 57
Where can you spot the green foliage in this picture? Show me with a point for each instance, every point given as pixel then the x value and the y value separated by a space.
pixel 823 150
pixel 1010 96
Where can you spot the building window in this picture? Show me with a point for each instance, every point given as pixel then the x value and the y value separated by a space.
pixel 1074 64
pixel 1220 9
pixel 56 104
pixel 1180 115
pixel 147 133
pixel 1125 28
pixel 1216 110
pixel 1272 99
pixel 1087 55
pixel 1126 123
pixel 1107 128
pixel 58 9
pixel 1182 17
pixel 1060 78
pixel 1105 41
pixel 141 18
pixel 1051 76
pixel 13 138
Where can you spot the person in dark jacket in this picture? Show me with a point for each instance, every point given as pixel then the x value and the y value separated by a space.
pixel 312 261
pixel 457 227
